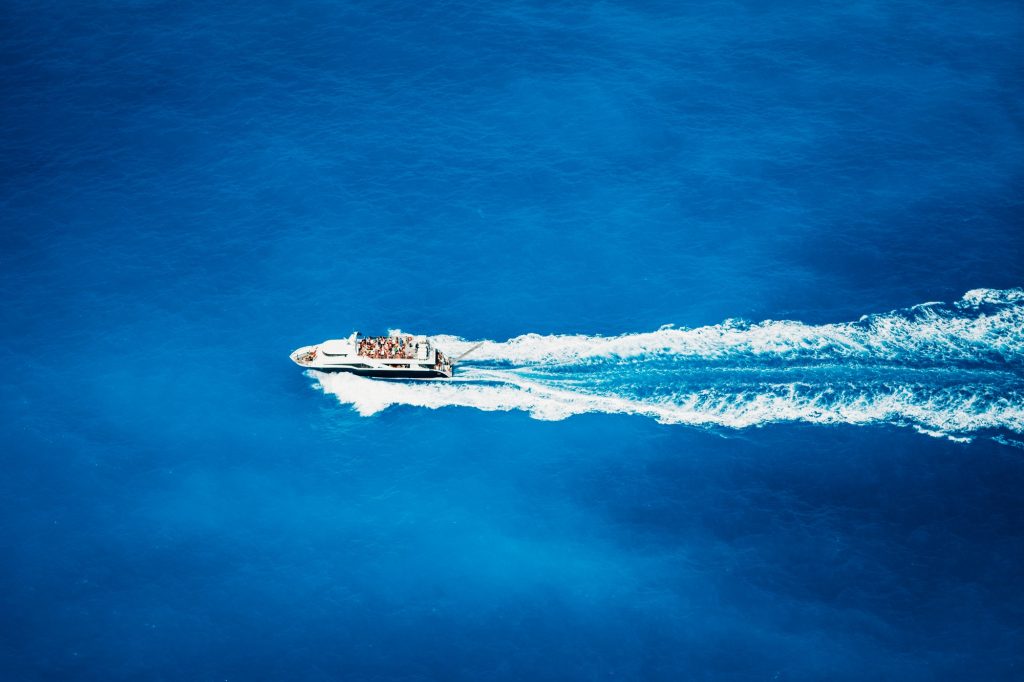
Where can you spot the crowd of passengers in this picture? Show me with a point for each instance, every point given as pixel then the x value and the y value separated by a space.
pixel 386 347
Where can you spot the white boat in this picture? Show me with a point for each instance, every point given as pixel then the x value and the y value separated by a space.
pixel 399 356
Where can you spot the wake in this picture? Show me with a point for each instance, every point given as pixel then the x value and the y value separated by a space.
pixel 954 370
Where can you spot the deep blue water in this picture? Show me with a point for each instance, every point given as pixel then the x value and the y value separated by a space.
pixel 190 191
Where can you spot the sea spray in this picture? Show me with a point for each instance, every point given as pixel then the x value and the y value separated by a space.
pixel 985 327
pixel 952 370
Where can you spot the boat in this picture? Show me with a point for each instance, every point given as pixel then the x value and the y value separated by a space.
pixel 396 356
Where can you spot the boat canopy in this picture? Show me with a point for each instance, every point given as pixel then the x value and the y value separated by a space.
pixel 336 347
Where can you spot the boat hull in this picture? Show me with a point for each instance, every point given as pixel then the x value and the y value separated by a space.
pixel 376 357
pixel 386 373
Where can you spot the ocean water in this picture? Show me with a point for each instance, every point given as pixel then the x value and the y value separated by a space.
pixel 750 402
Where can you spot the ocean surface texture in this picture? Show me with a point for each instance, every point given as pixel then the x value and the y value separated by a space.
pixel 748 277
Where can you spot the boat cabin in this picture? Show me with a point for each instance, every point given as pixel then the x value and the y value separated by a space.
pixel 395 355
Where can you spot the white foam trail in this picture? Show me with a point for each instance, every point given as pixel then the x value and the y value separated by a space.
pixel 950 412
pixel 986 325
pixel 654 374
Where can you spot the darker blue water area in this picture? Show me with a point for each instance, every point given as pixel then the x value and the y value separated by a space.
pixel 190 191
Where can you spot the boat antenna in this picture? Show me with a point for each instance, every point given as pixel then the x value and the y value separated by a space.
pixel 459 359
